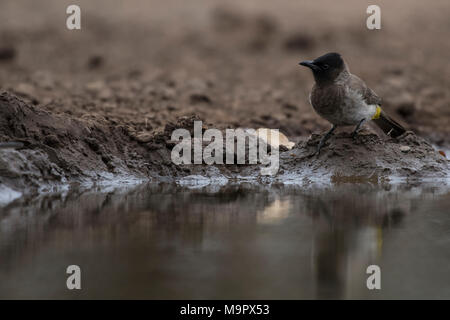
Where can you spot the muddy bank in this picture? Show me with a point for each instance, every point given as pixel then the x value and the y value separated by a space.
pixel 233 64
pixel 40 150
pixel 43 149
pixel 368 158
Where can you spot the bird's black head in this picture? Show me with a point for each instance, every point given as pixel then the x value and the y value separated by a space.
pixel 326 67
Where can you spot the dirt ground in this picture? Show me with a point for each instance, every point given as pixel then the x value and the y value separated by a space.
pixel 108 91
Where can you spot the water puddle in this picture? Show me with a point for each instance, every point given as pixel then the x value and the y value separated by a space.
pixel 229 241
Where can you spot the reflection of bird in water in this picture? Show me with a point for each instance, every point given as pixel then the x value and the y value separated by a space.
pixel 346 242
pixel 341 257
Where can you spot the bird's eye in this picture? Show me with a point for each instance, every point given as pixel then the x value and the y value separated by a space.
pixel 325 67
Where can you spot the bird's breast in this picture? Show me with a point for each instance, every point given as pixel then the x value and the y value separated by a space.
pixel 340 105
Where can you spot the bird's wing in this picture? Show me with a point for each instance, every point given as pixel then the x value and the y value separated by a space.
pixel 368 95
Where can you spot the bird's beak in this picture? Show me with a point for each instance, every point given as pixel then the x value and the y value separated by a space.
pixel 310 64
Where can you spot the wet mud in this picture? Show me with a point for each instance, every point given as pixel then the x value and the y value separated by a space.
pixel 41 150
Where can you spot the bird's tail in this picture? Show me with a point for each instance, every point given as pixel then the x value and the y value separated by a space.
pixel 389 126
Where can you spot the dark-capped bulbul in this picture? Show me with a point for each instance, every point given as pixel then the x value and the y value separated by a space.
pixel 344 99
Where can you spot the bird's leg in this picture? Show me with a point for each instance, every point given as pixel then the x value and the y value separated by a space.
pixel 355 132
pixel 325 138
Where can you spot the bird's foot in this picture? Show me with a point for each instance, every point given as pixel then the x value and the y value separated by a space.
pixel 356 131
pixel 317 152
pixel 323 140
pixel 321 144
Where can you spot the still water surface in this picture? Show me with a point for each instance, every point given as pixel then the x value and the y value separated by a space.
pixel 232 242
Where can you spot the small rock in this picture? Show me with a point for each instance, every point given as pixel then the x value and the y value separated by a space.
pixel 406 108
pixel 197 98
pixel 289 106
pixel 405 149
pixel 99 89
pixel 51 140
pixel 95 62
pixel 7 53
pixel 282 141
pixel 95 86
pixel 93 144
pixel 25 90
pixel 144 137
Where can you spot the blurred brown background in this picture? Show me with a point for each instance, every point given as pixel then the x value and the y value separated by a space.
pixel 234 63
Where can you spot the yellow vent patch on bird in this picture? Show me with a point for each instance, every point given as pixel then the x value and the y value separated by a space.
pixel 377 113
